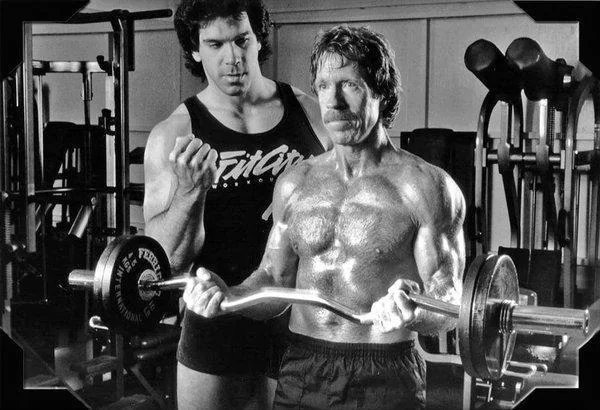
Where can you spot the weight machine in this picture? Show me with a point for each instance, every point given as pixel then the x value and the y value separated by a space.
pixel 83 169
pixel 542 165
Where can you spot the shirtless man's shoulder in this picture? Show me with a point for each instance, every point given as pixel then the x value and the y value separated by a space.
pixel 294 180
pixel 428 186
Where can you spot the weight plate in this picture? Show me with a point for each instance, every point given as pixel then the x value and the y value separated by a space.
pixel 120 267
pixel 465 343
pixel 99 272
pixel 496 282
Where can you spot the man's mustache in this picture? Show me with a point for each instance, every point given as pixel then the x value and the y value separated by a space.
pixel 339 116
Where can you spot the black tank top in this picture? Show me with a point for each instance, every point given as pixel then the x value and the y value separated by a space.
pixel 237 216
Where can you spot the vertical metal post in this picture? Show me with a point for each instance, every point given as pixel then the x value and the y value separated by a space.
pixel 595 193
pixel 4 155
pixel 468 392
pixel 541 214
pixel 571 184
pixel 109 91
pixel 482 175
pixel 121 75
pixel 3 196
pixel 40 122
pixel 6 277
pixel 29 139
pixel 118 346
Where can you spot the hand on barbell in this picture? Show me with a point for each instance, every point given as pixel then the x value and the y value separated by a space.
pixel 395 310
pixel 204 293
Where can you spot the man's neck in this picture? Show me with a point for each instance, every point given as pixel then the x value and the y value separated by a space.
pixel 354 160
pixel 256 92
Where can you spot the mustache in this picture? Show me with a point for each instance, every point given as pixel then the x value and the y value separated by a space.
pixel 338 116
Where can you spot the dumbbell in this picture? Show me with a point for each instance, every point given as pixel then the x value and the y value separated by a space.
pixel 133 273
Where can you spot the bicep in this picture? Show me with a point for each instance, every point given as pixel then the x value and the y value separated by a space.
pixel 439 250
pixel 279 259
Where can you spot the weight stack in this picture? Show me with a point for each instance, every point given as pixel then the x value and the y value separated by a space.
pixel 453 152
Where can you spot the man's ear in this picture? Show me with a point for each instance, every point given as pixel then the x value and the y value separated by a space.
pixel 259 45
pixel 196 56
pixel 382 104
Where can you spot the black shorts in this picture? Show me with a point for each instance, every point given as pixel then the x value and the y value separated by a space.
pixel 232 344
pixel 317 374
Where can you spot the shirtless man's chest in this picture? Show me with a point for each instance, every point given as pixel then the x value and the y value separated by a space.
pixel 354 240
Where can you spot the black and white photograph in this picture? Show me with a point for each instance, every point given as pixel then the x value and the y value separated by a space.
pixel 299 204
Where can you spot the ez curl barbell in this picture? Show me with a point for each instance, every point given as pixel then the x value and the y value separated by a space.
pixel 133 274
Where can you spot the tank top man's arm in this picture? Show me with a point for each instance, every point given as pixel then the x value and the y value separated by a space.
pixel 178 172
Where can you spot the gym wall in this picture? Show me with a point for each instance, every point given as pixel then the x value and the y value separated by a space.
pixel 429 36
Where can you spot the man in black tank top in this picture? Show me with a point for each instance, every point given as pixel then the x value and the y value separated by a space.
pixel 210 170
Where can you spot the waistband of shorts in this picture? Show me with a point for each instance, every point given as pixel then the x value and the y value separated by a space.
pixel 327 347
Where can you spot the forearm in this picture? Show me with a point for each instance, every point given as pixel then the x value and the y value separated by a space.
pixel 259 279
pixel 440 288
pixel 180 230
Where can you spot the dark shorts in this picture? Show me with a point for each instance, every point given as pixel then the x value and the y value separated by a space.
pixel 230 345
pixel 317 374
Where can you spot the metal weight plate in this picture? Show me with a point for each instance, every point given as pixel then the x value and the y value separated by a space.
pixel 495 281
pixel 465 343
pixel 122 264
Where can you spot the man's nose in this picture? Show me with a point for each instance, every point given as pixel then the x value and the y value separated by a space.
pixel 232 54
pixel 335 98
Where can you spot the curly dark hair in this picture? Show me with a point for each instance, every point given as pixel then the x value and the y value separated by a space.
pixel 192 15
pixel 374 57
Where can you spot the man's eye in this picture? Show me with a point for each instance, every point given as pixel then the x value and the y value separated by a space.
pixel 321 86
pixel 241 42
pixel 214 45
pixel 351 84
